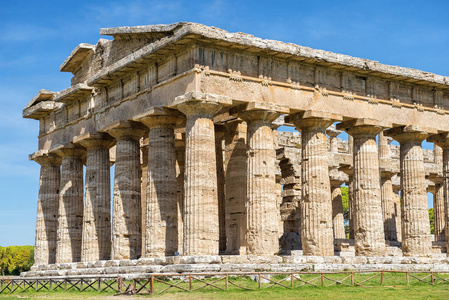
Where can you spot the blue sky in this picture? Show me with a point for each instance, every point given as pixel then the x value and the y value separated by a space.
pixel 37 36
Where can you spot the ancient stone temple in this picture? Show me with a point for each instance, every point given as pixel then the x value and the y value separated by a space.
pixel 190 119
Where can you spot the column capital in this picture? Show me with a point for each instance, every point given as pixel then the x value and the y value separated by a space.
pixel 332 132
pixel 125 130
pixel 313 118
pixel 441 139
pixel 436 178
pixel 259 116
pixel 68 150
pixel 44 158
pixel 94 140
pixel 409 133
pixel 160 117
pixel 363 126
pixel 206 109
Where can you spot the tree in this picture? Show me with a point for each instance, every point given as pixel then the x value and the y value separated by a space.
pixel 431 219
pixel 16 259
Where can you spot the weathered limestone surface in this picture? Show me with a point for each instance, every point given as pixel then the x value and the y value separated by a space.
pixel 235 187
pixel 316 205
pixel 161 211
pixel 337 211
pixel 70 213
pixel 96 239
pixel 438 210
pixel 143 188
pixel 47 208
pixel 219 143
pixel 200 190
pixel 368 219
pixel 262 231
pixel 180 148
pixel 388 206
pixel 127 201
pixel 415 221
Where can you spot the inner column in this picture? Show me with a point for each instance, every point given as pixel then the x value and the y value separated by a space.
pixel 369 238
pixel 96 239
pixel 316 205
pixel 416 239
pixel 126 218
pixel 262 220
pixel 201 222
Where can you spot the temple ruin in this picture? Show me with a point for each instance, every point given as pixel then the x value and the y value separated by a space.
pixel 192 120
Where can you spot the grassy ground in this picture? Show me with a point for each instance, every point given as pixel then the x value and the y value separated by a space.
pixel 393 288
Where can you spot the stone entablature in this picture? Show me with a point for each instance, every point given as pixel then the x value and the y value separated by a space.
pixel 197 110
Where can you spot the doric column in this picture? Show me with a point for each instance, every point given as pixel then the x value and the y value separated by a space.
pixel 143 188
pixel 438 154
pixel 388 205
pixel 338 220
pixel 384 145
pixel 219 136
pixel 180 147
pixel 442 140
pixel 70 214
pixel 127 209
pixel 96 239
pixel 438 211
pixel 397 211
pixel 235 187
pixel 369 238
pixel 262 218
pixel 161 214
pixel 349 170
pixel 316 204
pixel 333 141
pixel 415 217
pixel 201 232
pixel 47 208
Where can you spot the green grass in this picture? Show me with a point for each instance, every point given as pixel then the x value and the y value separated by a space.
pixel 394 287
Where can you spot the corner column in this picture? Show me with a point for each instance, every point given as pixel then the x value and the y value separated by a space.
pixel 70 215
pixel 369 238
pixel 201 222
pixel 316 205
pixel 96 239
pixel 126 215
pixel 47 208
pixel 415 217
pixel 262 211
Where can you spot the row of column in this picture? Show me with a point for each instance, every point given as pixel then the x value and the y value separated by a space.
pixel 84 230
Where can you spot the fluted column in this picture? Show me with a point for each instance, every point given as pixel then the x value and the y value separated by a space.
pixel 349 170
pixel 384 145
pixel 180 147
pixel 438 213
pixel 143 188
pixel 161 214
pixel 126 208
pixel 415 217
pixel 70 213
pixel 235 187
pixel 338 220
pixel 219 136
pixel 47 208
pixel 369 238
pixel 442 140
pixel 201 227
pixel 397 211
pixel 316 204
pixel 96 239
pixel 388 206
pixel 262 220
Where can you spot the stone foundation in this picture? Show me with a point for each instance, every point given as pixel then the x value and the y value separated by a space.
pixel 242 263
